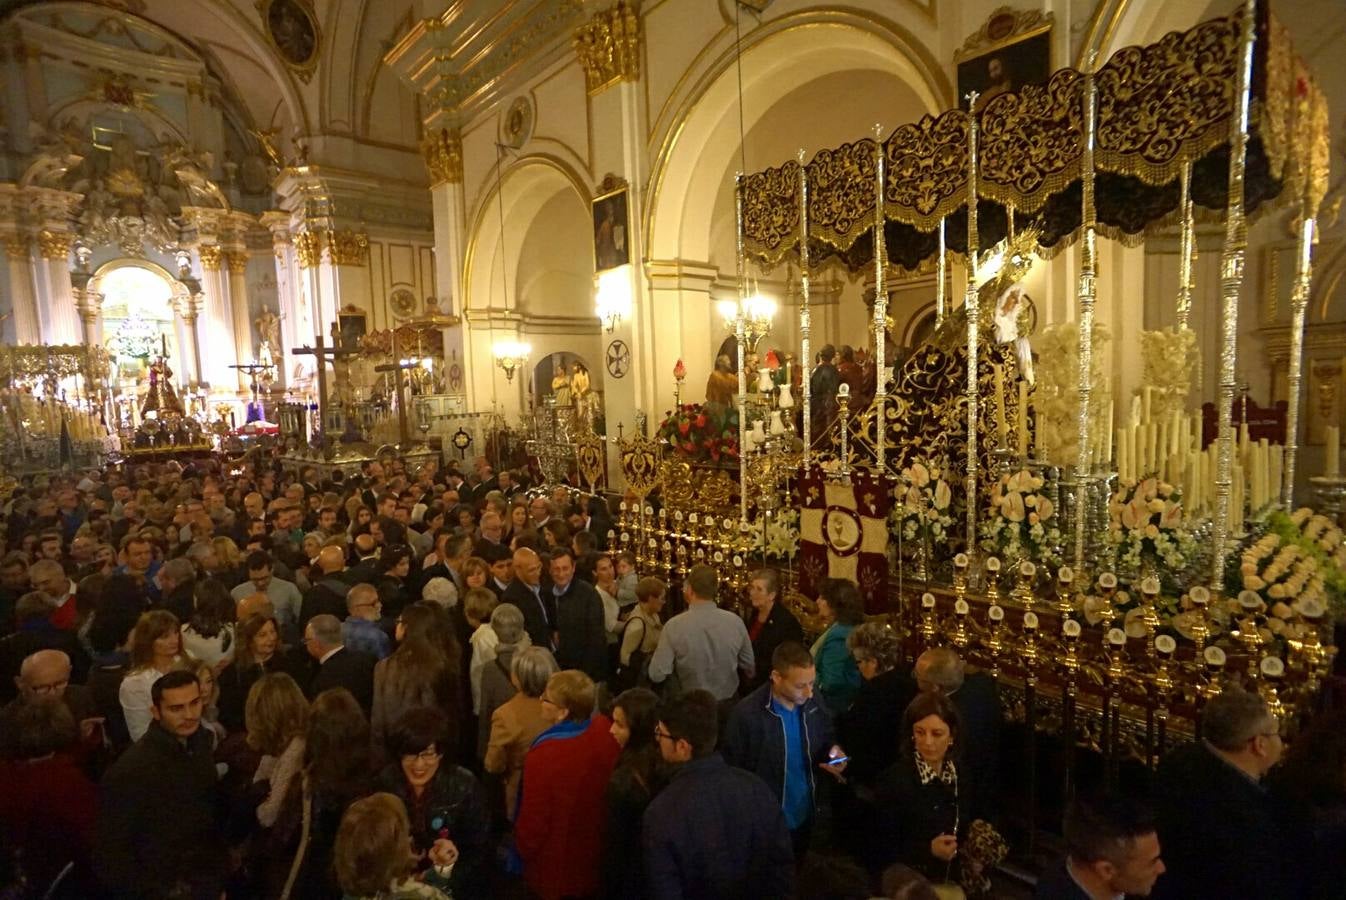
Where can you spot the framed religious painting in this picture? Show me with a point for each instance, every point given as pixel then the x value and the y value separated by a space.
pixel 612 247
pixel 292 28
pixel 353 326
pixel 1013 48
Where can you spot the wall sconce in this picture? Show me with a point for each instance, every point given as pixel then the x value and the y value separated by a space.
pixel 754 313
pixel 613 297
pixel 510 355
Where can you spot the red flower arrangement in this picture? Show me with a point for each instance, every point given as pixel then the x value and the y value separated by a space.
pixel 702 433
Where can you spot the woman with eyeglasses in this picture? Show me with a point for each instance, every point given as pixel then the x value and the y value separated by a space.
pixel 450 829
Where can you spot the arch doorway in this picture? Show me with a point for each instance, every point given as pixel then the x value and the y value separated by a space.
pixel 139 322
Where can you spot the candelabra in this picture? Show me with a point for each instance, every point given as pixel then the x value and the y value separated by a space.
pixel 843 414
pixel 510 356
pixel 1199 628
pixel 1023 588
pixel 927 630
pixel 995 644
pixel 993 580
pixel 1149 616
pixel 959 637
pixel 1163 685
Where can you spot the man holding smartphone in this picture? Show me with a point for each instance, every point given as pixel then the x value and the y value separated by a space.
pixel 781 732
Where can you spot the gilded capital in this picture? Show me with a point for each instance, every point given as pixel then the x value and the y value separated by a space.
pixel 211 257
pixel 308 248
pixel 16 245
pixel 608 47
pixel 443 152
pixel 238 261
pixel 53 244
pixel 348 248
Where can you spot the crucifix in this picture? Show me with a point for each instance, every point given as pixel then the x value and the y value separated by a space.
pixel 397 367
pixel 322 354
pixel 253 370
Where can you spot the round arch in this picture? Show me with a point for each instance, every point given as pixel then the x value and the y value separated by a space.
pixel 174 294
pixel 777 59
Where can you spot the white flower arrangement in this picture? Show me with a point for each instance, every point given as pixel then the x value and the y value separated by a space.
pixel 781 537
pixel 1022 524
pixel 1146 522
pixel 923 507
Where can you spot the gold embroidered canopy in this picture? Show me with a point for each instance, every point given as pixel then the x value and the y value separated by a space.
pixel 1160 107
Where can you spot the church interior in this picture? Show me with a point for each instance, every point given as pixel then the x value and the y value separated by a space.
pixel 1029 320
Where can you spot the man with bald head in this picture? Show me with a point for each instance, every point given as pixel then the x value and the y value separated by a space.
pixel 538 605
pixel 45 676
pixel 978 701
pixel 330 587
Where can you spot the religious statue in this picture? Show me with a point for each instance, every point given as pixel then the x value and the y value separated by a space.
pixel 268 328
pixel 1015 317
pixel 722 384
pixel 161 397
pixel 580 391
pixel 560 387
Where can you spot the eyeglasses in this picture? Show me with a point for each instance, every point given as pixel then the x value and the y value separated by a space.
pixel 549 701
pixel 660 735
pixel 55 687
pixel 425 756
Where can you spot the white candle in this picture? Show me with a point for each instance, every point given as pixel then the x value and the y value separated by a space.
pixel 1146 405
pixel 1333 467
pixel 1107 438
pixel 1023 420
pixel 1121 453
pixel 1001 425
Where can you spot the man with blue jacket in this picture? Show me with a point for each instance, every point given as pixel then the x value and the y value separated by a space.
pixel 781 732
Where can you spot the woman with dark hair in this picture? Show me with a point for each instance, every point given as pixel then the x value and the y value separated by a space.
pixel 394 570
pixel 633 785
pixel 444 803
pixel 841 609
pixel 921 807
pixel 516 521
pixel 209 634
pixel 424 670
pixel 257 652
pixel 555 533
pixel 1310 786
pixel 871 729
pixel 156 649
pixel 463 518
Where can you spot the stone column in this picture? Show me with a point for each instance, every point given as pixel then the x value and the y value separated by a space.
pixel 608 48
pixel 187 309
pixel 443 151
pixel 341 278
pixel 27 329
pixel 237 261
pixel 53 290
pixel 296 323
pixel 89 304
pixel 218 351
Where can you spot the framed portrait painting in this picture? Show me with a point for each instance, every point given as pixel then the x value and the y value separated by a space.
pixel 1012 49
pixel 612 246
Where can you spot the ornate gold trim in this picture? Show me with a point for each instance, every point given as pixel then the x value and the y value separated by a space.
pixel 237 261
pixel 308 248
pixel 347 247
pixel 16 245
pixel 1026 23
pixel 54 244
pixel 443 152
pixel 211 257
pixel 608 48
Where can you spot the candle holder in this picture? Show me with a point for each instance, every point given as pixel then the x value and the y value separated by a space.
pixel 1070 663
pixel 928 629
pixel 960 562
pixel 1213 660
pixel 1162 684
pixel 1307 653
pixel 1107 591
pixel 682 560
pixel 993 580
pixel 994 642
pixel 1273 670
pixel 1149 616
pixel 1029 649
pixel 1249 634
pixel 1329 493
pixel 1199 628
pixel 959 635
pixel 1065 600
pixel 1023 587
pixel 843 411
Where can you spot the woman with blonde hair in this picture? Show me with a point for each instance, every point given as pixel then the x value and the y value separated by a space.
pixel 373 853
pixel 210 701
pixel 277 717
pixel 156 650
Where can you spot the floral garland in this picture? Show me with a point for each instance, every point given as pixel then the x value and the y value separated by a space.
pixel 702 432
pixel 1023 521
pixel 1318 537
pixel 924 505
pixel 1146 525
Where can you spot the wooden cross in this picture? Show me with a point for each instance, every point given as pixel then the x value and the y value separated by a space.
pixel 398 366
pixel 323 354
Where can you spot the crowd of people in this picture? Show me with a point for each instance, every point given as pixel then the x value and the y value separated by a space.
pixel 423 684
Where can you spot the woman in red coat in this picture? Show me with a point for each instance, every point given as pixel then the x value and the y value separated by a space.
pixel 559 829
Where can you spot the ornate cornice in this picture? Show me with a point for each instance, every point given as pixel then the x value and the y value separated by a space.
pixel 211 257
pixel 608 47
pixel 53 244
pixel 443 152
pixel 1004 25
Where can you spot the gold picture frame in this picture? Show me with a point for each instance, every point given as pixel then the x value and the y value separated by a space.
pixel 1012 48
pixel 292 29
pixel 612 225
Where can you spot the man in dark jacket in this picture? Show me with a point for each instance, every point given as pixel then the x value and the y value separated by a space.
pixel 537 604
pixel 1111 850
pixel 780 732
pixel 338 665
pixel 581 635
pixel 158 833
pixel 1217 825
pixel 715 832
pixel 330 587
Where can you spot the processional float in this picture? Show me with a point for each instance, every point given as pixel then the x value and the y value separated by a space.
pixel 1109 610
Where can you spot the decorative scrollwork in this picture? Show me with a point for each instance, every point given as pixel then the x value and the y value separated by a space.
pixel 640 464
pixel 589 459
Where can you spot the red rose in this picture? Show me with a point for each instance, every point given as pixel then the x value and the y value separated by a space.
pixel 683 428
pixel 701 421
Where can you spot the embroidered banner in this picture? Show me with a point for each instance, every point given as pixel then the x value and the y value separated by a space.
pixel 843 532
